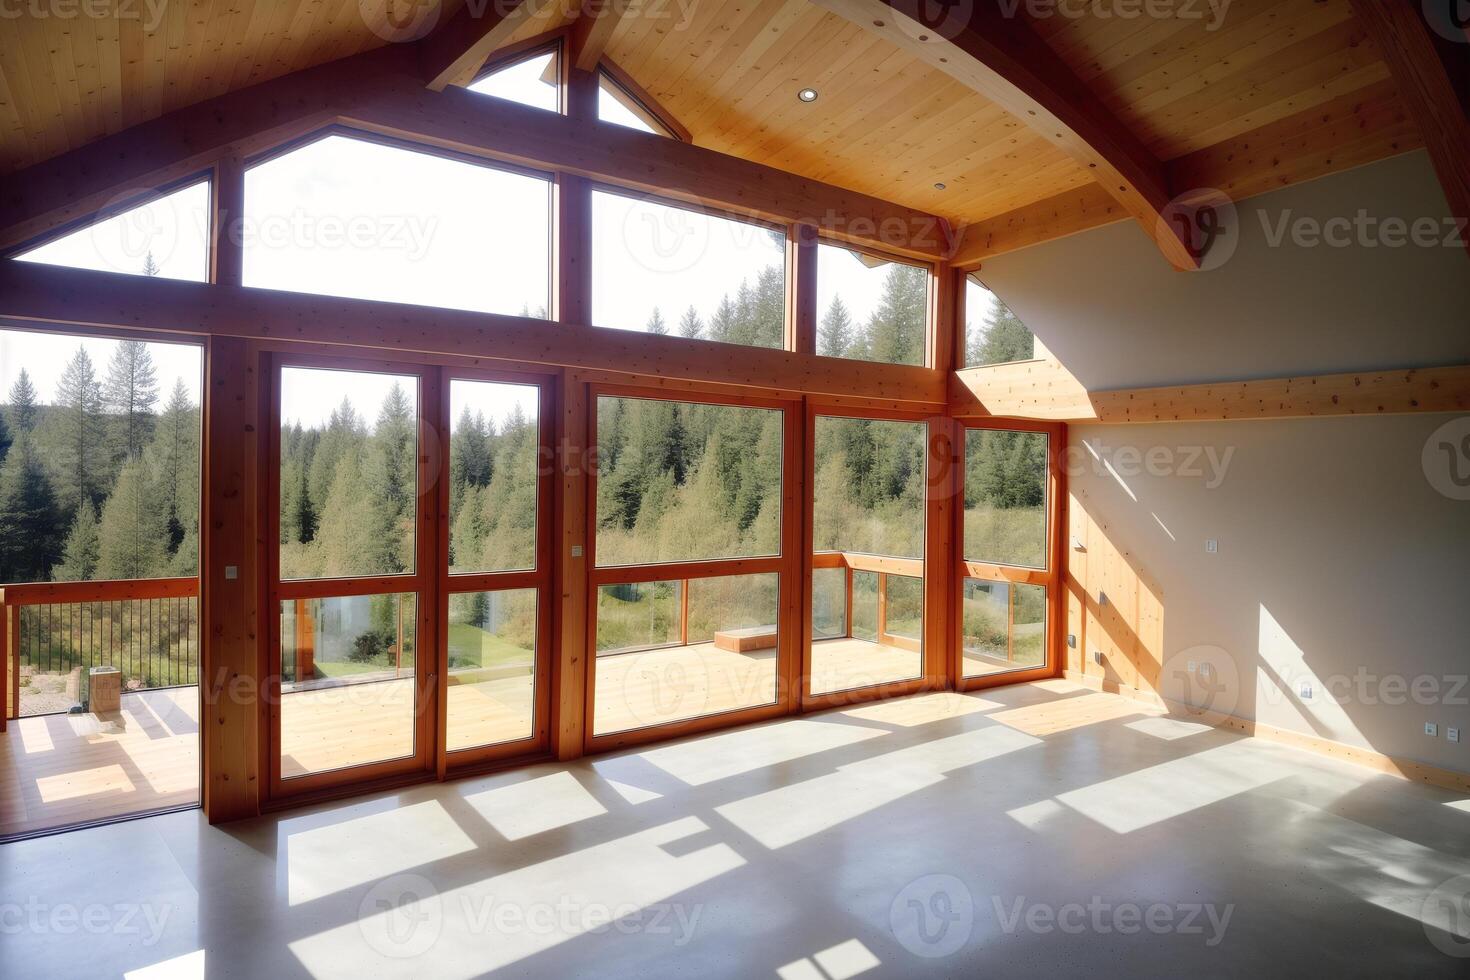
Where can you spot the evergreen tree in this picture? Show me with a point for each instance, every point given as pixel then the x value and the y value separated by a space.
pixel 5 438
pixel 690 325
pixel 129 396
pixel 175 454
pixel 150 267
pixel 657 324
pixel 133 536
pixel 80 433
pixel 23 404
pixel 30 522
pixel 835 335
pixel 896 332
pixel 82 550
pixel 1005 338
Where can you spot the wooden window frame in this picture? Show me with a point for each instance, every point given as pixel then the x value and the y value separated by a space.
pixel 786 565
pixel 934 289
pixel 540 577
pixel 931 667
pixel 1050 577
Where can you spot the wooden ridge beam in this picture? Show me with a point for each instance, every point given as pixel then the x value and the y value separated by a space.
pixel 995 52
pixel 456 50
pixel 1431 72
pixel 381 91
pixel 51 294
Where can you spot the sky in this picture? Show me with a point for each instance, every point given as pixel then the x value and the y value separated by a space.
pixel 355 218
pixel 44 357
pixel 308 395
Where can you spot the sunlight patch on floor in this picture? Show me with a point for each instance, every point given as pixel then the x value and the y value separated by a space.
pixel 1051 717
pixel 406 927
pixel 84 782
pixel 1170 789
pixel 190 966
pixel 707 760
pixel 834 963
pixel 336 856
pixel 632 794
pixel 1167 729
pixel 535 805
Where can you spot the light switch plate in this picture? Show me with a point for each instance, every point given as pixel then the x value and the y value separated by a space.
pixel 1430 728
pixel 1305 691
pixel 1212 546
pixel 1097 656
pixel 1453 734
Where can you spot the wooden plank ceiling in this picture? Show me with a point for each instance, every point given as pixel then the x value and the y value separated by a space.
pixel 884 124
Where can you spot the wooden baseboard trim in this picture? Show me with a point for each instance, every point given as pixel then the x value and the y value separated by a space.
pixel 1418 772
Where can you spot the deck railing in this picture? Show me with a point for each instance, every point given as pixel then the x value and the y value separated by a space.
pixel 53 633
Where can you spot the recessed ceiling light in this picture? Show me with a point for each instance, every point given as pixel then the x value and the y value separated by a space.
pixel 939 185
pixel 807 95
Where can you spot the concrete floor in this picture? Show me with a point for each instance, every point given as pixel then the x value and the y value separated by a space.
pixel 1034 831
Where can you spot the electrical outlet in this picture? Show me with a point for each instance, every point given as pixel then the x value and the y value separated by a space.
pixel 1306 691
pixel 1102 598
pixel 1192 666
pixel 1453 734
pixel 1211 546
pixel 1072 640
pixel 1097 656
pixel 1431 729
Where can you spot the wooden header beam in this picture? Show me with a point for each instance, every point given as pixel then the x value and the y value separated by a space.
pixel 996 53
pixel 51 294
pixel 593 29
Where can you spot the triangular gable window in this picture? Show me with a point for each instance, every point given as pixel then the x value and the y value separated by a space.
pixel 168 237
pixel 531 81
pixel 993 334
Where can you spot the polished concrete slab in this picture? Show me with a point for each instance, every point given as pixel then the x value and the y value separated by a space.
pixel 1036 831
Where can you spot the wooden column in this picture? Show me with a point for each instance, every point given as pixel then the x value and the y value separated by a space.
pixel 941 660
pixel 801 288
pixel 571 658
pixel 227 254
pixel 230 671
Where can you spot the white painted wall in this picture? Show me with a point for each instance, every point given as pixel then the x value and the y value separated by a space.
pixel 1340 563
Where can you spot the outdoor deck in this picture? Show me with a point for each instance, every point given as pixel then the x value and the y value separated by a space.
pixel 63 769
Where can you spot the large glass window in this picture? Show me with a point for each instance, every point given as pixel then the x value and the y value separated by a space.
pixel 993 334
pixel 349 473
pixel 869 308
pixel 683 481
pixel 674 650
pixel 662 269
pixel 868 531
pixel 494 459
pixel 1004 626
pixel 347 682
pixel 168 237
pixel 1005 497
pixel 492 667
pixel 352 217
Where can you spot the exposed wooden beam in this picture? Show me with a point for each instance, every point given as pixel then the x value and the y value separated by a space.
pixel 1429 70
pixel 457 49
pixel 1361 127
pixel 593 28
pixel 1044 390
pixel 381 91
pixel 50 294
pixel 994 51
